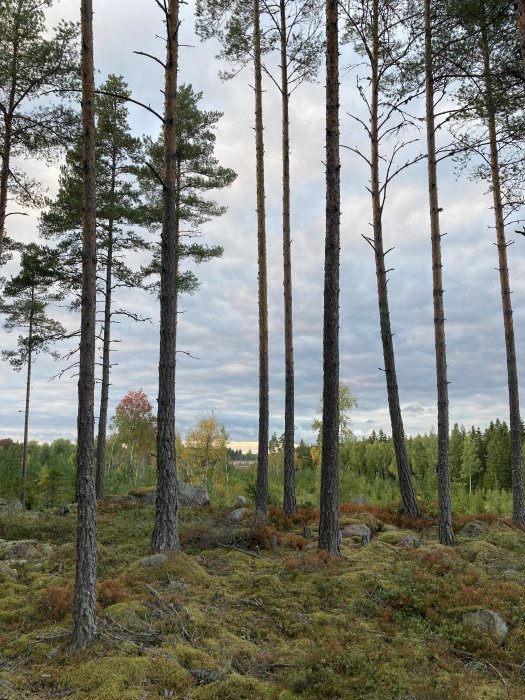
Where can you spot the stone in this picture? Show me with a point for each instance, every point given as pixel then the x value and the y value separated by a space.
pixel 241 501
pixel 472 529
pixel 10 504
pixel 7 572
pixel 238 514
pixel 154 560
pixel 193 495
pixel 21 549
pixel 363 532
pixel 490 622
pixel 407 541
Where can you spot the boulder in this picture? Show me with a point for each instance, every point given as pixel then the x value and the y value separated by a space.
pixel 407 541
pixel 472 529
pixel 9 505
pixel 490 622
pixel 238 514
pixel 21 549
pixel 193 495
pixel 154 560
pixel 241 502
pixel 361 532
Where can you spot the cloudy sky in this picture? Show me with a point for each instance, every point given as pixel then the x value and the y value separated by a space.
pixel 219 323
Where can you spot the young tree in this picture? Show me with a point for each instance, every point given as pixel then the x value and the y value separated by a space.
pixel 31 292
pixel 376 28
pixel 329 501
pixel 134 424
pixel 347 402
pixel 117 197
pixel 470 462
pixel 33 64
pixel 84 621
pixel 205 447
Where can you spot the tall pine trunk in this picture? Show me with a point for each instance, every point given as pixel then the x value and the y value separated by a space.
pixel 290 504
pixel 84 622
pixel 518 508
pixel 6 147
pixel 520 28
pixel 166 531
pixel 28 396
pixel 408 495
pixel 446 533
pixel 261 492
pixel 106 345
pixel 329 501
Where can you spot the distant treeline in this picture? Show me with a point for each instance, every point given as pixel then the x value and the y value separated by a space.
pixel 479 460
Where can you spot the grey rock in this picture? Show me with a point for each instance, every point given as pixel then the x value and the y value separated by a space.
pixel 193 495
pixel 21 549
pixel 154 560
pixel 7 572
pixel 363 532
pixel 490 622
pixel 472 529
pixel 10 504
pixel 241 501
pixel 407 541
pixel 238 514
pixel 514 575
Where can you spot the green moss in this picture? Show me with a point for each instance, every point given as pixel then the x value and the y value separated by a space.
pixel 235 687
pixel 126 678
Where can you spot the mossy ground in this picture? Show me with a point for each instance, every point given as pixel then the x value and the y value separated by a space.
pixel 384 622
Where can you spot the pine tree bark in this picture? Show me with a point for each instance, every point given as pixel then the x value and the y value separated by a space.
pixel 329 500
pixel 518 507
pixel 28 396
pixel 406 486
pixel 6 146
pixel 106 344
pixel 446 533
pixel 166 531
pixel 261 489
pixel 84 622
pixel 520 28
pixel 290 504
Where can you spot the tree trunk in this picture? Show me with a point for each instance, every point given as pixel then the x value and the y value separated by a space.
pixel 290 505
pixel 84 622
pixel 446 533
pixel 6 146
pixel 166 530
pixel 329 500
pixel 28 394
pixel 520 28
pixel 518 508
pixel 106 345
pixel 261 491
pixel 406 487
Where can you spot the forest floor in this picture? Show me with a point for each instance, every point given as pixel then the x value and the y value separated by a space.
pixel 253 611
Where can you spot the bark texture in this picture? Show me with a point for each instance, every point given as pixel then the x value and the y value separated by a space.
pixel 446 533
pixel 84 622
pixel 329 505
pixel 166 530
pixel 290 504
pixel 520 28
pixel 518 507
pixel 408 495
pixel 261 493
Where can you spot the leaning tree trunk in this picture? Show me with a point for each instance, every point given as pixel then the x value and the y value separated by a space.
pixel 261 490
pixel 166 530
pixel 84 622
pixel 406 486
pixel 106 345
pixel 520 28
pixel 28 396
pixel 329 500
pixel 446 533
pixel 518 507
pixel 290 505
